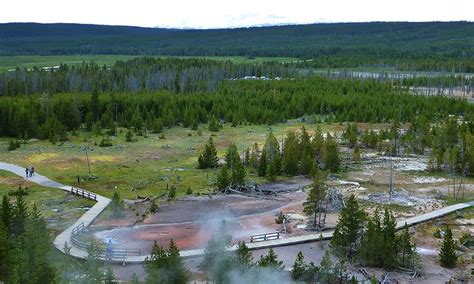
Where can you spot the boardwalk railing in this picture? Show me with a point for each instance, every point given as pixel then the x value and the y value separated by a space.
pixel 265 237
pixel 84 193
pixel 76 234
pixel 115 254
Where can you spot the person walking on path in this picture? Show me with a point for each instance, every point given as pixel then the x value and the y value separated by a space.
pixel 27 171
pixel 32 171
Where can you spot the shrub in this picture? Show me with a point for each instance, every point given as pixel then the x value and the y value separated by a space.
pixel 105 142
pixel 189 191
pixel 13 145
pixel 129 136
pixel 280 218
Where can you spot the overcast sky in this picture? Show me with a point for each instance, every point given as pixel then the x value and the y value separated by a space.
pixel 223 13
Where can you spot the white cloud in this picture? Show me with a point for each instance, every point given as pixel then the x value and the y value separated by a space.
pixel 214 14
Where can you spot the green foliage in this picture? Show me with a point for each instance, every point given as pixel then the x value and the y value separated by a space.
pixel 223 179
pixel 116 206
pixel 350 134
pixel 405 45
pixel 262 164
pixel 298 268
pixel 189 191
pixel 447 253
pixel 271 261
pixel 217 259
pixel 407 256
pixel 243 258
pixel 13 145
pixel 349 227
pixel 379 246
pixel 214 125
pixel 314 204
pixel 172 192
pixel 105 142
pixel 235 165
pixel 280 218
pixel 24 246
pixel 165 266
pixel 109 276
pixel 331 154
pixel 129 136
pixel 153 207
pixel 45 116
pixel 208 157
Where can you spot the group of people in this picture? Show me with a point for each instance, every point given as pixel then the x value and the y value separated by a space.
pixel 30 171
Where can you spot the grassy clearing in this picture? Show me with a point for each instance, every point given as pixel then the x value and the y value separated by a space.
pixel 29 61
pixel 144 167
pixel 57 207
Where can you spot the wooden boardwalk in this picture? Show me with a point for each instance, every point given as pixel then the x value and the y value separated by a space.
pixel 102 203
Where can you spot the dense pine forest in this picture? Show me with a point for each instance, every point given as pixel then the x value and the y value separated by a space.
pixel 406 46
pixel 236 102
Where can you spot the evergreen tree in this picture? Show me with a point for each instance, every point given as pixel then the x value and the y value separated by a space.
pixel 331 154
pixel 95 105
pixel 290 155
pixel 307 162
pixel 271 261
pixel 20 215
pixel 109 276
pixel 208 157
pixel 116 205
pixel 217 259
pixel 253 162
pixel 7 214
pixel 154 263
pixel 447 254
pixel 299 267
pixel 372 246
pixel 348 229
pixel 177 271
pixel 390 241
pixel 214 126
pixel 326 269
pixel 271 171
pixel 92 270
pixel 223 179
pixel 36 244
pixel 262 165
pixel 7 256
pixel 243 258
pixel 272 149
pixel 407 256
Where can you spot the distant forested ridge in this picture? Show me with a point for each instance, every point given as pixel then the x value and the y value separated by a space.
pixel 420 46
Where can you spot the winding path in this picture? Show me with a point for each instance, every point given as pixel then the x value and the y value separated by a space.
pixel 102 203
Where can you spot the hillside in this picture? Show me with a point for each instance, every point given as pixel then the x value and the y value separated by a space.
pixel 353 43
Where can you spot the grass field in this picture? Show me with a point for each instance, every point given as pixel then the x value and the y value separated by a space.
pixel 144 167
pixel 11 62
pixel 57 207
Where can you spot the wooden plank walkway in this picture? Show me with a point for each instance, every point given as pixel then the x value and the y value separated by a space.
pixel 102 203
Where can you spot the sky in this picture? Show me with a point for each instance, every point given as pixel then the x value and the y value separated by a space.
pixel 220 14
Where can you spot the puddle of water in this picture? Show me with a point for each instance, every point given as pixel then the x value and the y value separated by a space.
pixel 426 251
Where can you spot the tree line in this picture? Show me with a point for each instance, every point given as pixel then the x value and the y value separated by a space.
pixel 237 102
pixel 192 75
